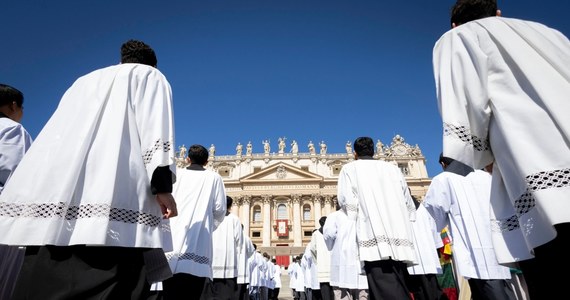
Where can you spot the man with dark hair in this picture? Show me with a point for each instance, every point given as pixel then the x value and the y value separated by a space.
pixel 14 142
pixel 88 199
pixel 134 51
pixel 227 239
pixel 459 198
pixel 376 195
pixel 201 196
pixel 244 273
pixel 276 279
pixel 322 258
pixel 346 278
pixel 422 280
pixel 258 267
pixel 502 86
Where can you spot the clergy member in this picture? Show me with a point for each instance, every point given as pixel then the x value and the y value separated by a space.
pixel 322 257
pixel 88 198
pixel 422 279
pixel 201 199
pixel 375 194
pixel 245 252
pixel 346 278
pixel 459 197
pixel 14 142
pixel 227 239
pixel 502 86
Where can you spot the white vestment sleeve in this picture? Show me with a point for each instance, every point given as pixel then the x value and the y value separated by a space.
pixel 330 231
pixel 461 71
pixel 154 103
pixel 238 234
pixel 219 207
pixel 345 194
pixel 436 202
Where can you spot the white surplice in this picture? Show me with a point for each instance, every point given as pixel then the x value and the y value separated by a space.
pixel 309 265
pixel 463 203
pixel 201 199
pixel 86 178
pixel 245 252
pixel 257 267
pixel 377 193
pixel 277 276
pixel 322 256
pixel 502 87
pixel 427 240
pixel 292 272
pixel 339 235
pixel 14 142
pixel 226 240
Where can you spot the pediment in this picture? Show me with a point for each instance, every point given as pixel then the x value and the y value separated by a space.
pixel 282 172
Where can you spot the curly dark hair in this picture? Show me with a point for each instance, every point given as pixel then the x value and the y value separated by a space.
pixel 133 51
pixel 468 10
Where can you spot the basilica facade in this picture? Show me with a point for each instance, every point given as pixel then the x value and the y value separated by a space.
pixel 280 195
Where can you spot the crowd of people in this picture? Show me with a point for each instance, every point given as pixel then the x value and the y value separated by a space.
pixel 94 207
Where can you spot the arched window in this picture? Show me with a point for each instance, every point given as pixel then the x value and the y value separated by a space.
pixel 257 214
pixel 306 212
pixel 282 212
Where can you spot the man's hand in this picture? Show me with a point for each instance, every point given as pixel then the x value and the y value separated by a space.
pixel 167 205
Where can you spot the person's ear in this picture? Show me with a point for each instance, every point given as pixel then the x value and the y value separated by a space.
pixel 453 25
pixel 498 13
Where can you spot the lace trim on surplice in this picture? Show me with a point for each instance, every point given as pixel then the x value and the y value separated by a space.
pixel 84 211
pixel 526 202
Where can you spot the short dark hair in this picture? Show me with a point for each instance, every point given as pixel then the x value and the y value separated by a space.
pixel 468 10
pixel 133 51
pixel 198 154
pixel 322 221
pixel 9 94
pixel 445 160
pixel 364 146
pixel 229 201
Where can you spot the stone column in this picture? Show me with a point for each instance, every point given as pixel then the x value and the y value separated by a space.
pixel 245 201
pixel 318 209
pixel 328 203
pixel 266 220
pixel 297 231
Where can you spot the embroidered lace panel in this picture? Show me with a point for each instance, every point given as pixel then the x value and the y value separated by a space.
pixel 61 210
pixel 526 202
pixel 158 145
pixel 464 134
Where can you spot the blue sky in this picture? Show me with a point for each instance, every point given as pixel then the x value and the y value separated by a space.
pixel 250 70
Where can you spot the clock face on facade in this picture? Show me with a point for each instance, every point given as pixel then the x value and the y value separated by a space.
pixel 400 150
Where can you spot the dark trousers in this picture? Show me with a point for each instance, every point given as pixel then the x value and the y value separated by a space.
pixel 179 285
pixel 386 280
pixel 222 289
pixel 274 293
pixel 549 259
pixel 425 287
pixel 491 289
pixel 242 292
pixel 82 272
pixel 326 291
